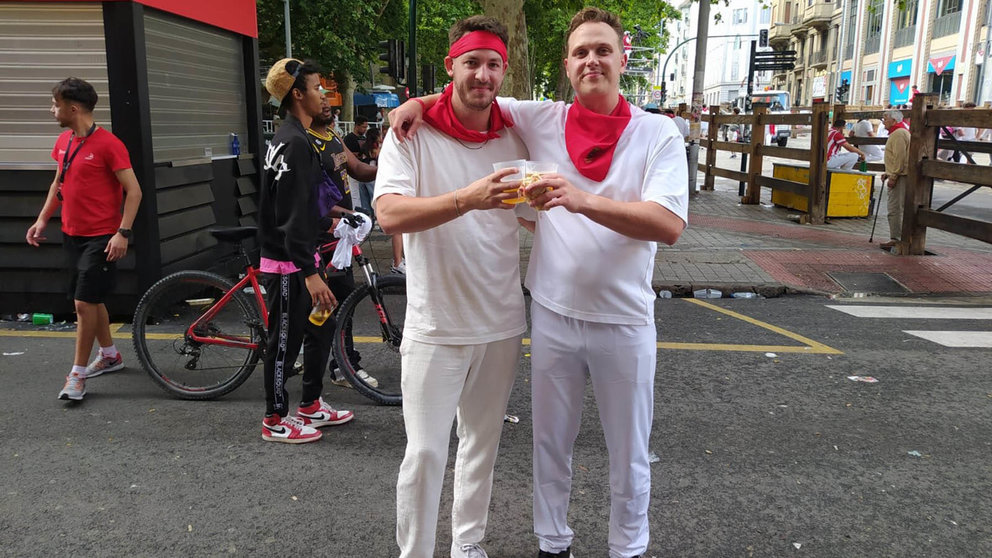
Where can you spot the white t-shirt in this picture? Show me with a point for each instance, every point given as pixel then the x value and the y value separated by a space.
pixel 579 268
pixel 864 129
pixel 462 277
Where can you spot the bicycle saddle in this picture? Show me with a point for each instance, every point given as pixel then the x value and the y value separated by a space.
pixel 233 234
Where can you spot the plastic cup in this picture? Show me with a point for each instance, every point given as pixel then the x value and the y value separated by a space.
pixel 534 171
pixel 319 315
pixel 518 164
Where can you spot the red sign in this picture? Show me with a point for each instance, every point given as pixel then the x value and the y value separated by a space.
pixel 939 64
pixel 238 16
pixel 627 46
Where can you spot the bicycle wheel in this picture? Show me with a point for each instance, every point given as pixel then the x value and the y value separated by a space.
pixel 378 342
pixel 191 369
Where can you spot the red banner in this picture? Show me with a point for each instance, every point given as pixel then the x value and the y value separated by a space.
pixel 238 16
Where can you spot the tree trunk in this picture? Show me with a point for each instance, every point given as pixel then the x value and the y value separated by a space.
pixel 347 103
pixel 511 13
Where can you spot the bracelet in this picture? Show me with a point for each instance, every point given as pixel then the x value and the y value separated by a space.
pixel 458 212
pixel 423 107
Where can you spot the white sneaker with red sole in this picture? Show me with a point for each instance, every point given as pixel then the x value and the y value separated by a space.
pixel 289 430
pixel 319 414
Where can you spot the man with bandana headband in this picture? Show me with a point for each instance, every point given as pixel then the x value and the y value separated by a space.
pixel 621 189
pixel 465 308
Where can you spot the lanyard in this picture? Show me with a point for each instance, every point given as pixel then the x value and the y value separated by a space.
pixel 67 159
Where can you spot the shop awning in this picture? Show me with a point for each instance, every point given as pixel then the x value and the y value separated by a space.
pixel 938 64
pixel 900 68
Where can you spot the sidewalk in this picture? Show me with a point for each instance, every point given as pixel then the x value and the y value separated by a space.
pixel 733 248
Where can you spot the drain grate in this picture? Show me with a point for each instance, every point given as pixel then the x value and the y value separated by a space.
pixel 857 282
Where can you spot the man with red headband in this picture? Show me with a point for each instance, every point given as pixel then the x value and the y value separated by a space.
pixel 621 189
pixel 465 309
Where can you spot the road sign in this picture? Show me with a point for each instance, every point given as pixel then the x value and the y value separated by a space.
pixel 656 94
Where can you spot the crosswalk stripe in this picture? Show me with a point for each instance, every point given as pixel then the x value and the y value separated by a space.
pixel 963 339
pixel 915 312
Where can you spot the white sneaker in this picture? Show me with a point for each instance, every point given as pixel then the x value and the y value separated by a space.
pixel 400 268
pixel 340 380
pixel 74 388
pixel 467 551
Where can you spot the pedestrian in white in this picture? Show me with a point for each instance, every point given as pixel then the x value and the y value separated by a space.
pixel 621 188
pixel 465 309
pixel 864 129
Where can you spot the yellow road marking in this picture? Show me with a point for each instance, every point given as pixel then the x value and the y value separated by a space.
pixel 812 347
pixel 809 346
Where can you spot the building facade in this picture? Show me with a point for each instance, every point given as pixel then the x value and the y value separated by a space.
pixel 882 51
pixel 727 51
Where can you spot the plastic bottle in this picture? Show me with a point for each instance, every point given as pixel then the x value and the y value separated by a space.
pixel 744 295
pixel 707 293
pixel 665 294
pixel 863 166
pixel 235 144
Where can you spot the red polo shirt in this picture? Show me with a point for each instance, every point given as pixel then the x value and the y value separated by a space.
pixel 91 194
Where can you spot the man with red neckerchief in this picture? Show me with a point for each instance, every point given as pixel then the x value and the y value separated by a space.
pixel 465 312
pixel 621 188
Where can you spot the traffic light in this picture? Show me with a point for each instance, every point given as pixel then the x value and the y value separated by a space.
pixel 400 74
pixel 389 55
pixel 842 91
pixel 763 38
pixel 427 74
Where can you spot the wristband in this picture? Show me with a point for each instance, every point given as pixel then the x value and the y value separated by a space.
pixel 458 212
pixel 423 106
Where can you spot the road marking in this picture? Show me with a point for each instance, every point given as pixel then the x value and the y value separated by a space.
pixel 809 346
pixel 915 312
pixel 958 339
pixel 812 347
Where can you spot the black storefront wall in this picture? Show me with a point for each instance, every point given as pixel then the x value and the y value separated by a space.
pixel 180 202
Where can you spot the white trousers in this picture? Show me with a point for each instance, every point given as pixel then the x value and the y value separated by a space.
pixel 440 382
pixel 620 360
pixel 843 160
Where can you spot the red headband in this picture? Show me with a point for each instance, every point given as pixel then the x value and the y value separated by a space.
pixel 478 40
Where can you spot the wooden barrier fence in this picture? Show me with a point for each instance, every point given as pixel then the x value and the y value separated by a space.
pixel 925 126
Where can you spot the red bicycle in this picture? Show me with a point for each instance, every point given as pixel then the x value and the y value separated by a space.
pixel 200 335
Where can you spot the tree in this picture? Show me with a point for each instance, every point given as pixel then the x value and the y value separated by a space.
pixel 549 20
pixel 341 37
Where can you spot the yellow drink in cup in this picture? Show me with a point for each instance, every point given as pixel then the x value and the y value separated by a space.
pixel 534 171
pixel 518 164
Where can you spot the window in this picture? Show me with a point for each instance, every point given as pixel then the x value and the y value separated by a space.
pixel 945 7
pixel 873 24
pixel 765 15
pixel 740 15
pixel 734 69
pixel 907 17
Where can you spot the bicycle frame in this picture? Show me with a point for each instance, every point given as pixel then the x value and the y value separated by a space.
pixel 251 277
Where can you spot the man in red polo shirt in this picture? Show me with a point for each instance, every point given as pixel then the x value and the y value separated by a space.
pixel 93 175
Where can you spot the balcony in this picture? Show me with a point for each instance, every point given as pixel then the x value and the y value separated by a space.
pixel 818 14
pixel 947 25
pixel 905 36
pixel 780 32
pixel 817 59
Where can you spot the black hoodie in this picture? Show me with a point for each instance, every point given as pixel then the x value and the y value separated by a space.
pixel 289 221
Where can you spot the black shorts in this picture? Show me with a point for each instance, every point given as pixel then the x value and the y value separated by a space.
pixel 91 277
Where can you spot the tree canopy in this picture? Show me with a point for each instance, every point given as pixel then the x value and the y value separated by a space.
pixel 343 37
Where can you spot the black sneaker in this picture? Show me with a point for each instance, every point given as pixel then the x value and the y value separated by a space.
pixel 567 553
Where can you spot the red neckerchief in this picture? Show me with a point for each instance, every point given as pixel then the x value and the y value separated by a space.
pixel 591 138
pixel 898 125
pixel 442 116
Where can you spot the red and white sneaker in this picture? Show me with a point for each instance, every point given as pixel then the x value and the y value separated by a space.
pixel 289 430
pixel 102 365
pixel 319 414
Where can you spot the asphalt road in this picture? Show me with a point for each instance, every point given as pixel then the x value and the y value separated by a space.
pixel 758 455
